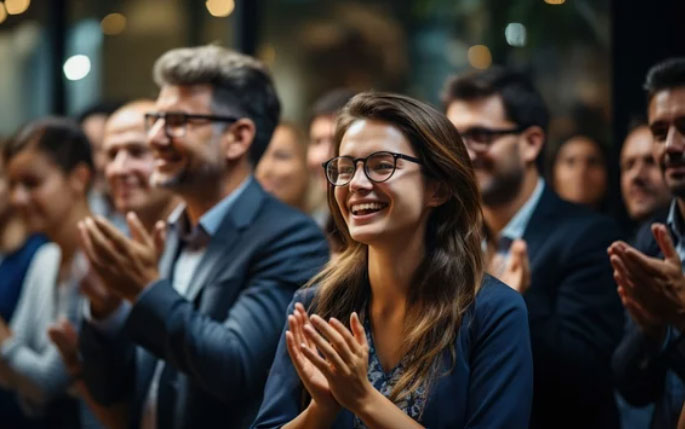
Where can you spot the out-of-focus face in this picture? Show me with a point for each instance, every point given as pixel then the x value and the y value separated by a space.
pixel 388 212
pixel 129 162
pixel 580 174
pixel 667 122
pixel 282 170
pixel 320 149
pixel 498 165
pixel 94 128
pixel 191 162
pixel 4 191
pixel 41 191
pixel 642 184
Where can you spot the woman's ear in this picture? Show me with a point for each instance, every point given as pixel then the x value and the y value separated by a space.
pixel 533 138
pixel 79 178
pixel 237 138
pixel 438 193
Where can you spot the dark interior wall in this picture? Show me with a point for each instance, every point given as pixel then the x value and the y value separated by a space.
pixel 643 33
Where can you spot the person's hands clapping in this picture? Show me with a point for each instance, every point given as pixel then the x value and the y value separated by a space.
pixel 653 290
pixel 345 359
pixel 312 378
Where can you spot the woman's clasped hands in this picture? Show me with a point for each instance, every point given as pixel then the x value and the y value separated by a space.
pixel 330 360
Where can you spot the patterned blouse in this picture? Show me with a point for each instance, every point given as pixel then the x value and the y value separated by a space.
pixel 412 404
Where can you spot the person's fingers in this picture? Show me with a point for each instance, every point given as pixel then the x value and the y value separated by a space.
pixel 102 246
pixel 324 347
pixel 358 329
pixel 87 245
pixel 294 352
pixel 138 232
pixel 159 237
pixel 621 276
pixel 335 339
pixel 637 261
pixel 345 333
pixel 111 233
pixel 320 363
pixel 304 320
pixel 295 329
pixel 663 239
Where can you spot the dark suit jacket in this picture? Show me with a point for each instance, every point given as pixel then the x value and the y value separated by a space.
pixel 489 387
pixel 576 317
pixel 647 371
pixel 219 343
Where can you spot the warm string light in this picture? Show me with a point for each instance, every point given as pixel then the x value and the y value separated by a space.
pixel 113 24
pixel 220 8
pixel 16 7
pixel 3 13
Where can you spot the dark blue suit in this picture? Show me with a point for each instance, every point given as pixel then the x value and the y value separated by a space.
pixel 575 314
pixel 647 371
pixel 218 341
pixel 489 387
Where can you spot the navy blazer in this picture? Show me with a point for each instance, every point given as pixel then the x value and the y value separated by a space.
pixel 575 314
pixel 490 386
pixel 647 371
pixel 217 344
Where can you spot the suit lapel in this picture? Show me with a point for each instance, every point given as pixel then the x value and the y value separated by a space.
pixel 538 227
pixel 221 245
pixel 166 262
pixel 218 247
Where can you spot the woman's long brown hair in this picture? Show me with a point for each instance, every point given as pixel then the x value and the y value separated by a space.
pixel 446 281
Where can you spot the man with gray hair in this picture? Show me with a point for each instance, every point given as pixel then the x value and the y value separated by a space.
pixel 190 341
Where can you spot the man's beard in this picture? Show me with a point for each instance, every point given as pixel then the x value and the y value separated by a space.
pixel 676 186
pixel 503 188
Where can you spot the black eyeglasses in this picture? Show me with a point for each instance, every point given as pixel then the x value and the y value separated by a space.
pixel 480 138
pixel 175 122
pixel 378 167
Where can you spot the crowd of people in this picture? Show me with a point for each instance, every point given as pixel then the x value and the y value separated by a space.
pixel 194 261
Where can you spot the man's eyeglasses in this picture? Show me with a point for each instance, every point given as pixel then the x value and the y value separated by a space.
pixel 378 167
pixel 480 138
pixel 660 128
pixel 175 123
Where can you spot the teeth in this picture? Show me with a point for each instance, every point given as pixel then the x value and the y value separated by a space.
pixel 366 207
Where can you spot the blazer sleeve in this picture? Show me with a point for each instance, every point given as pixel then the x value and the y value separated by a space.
pixel 230 358
pixel 283 393
pixel 574 340
pixel 108 364
pixel 501 380
pixel 639 367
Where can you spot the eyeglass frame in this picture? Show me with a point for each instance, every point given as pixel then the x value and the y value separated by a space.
pixel 355 162
pixel 493 134
pixel 187 117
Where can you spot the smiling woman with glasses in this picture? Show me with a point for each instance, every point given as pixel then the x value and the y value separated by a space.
pixel 404 329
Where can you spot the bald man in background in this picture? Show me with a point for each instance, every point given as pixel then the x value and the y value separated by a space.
pixel 128 164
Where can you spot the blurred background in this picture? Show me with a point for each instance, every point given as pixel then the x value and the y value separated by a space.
pixel 588 57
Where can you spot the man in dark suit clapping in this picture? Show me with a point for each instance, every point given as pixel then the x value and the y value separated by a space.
pixel 575 315
pixel 190 340
pixel 649 364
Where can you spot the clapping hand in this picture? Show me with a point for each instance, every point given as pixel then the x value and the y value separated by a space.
pixel 312 378
pixel 652 289
pixel 515 269
pixel 343 360
pixel 126 265
pixel 65 338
